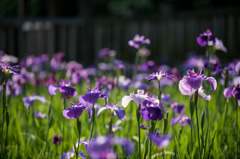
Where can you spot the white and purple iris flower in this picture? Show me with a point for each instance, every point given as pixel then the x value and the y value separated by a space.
pixel 233 91
pixel 9 69
pixel 75 111
pixel 29 100
pixel 121 114
pixel 193 82
pixel 160 141
pixel 159 75
pixel 64 88
pixel 138 41
pixel 137 98
pixel 206 39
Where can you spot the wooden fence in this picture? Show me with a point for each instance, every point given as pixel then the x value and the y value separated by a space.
pixel 171 37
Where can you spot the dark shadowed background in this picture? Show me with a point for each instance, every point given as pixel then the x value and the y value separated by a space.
pixel 81 27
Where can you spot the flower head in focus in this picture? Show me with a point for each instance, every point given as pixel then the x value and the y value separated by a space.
pixel 9 69
pixel 158 76
pixel 151 111
pixel 64 88
pixel 75 111
pixel 91 97
pixel 233 91
pixel 121 114
pixel 193 82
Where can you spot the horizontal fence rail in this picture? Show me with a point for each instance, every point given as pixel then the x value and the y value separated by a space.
pixel 171 37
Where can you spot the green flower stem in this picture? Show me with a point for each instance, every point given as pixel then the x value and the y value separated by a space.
pixel 139 135
pixel 159 92
pixel 236 128
pixel 28 112
pixel 92 126
pixel 4 103
pixel 136 66
pixel 49 122
pixel 195 102
pixel 79 128
pixel 110 124
pixel 151 129
pixel 64 107
pixel 146 147
pixel 92 123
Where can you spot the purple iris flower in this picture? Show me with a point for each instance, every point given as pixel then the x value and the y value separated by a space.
pixel 206 39
pixel 57 139
pixel 92 96
pixel 102 147
pixel 137 98
pixel 58 61
pixel 178 109
pixel 182 120
pixel 138 41
pixel 75 111
pixel 9 69
pixel 29 100
pixel 193 82
pixel 150 111
pixel 233 91
pixel 160 141
pixel 158 76
pixel 143 127
pixel 64 88
pixel 121 114
pixel 40 115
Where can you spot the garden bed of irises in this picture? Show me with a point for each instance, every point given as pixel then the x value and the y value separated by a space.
pixel 51 108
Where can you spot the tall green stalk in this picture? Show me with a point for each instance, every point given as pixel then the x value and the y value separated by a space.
pixel 110 123
pixel 195 102
pixel 28 111
pixel 49 122
pixel 64 107
pixel 236 128
pixel 136 66
pixel 4 106
pixel 139 135
pixel 92 126
pixel 4 110
pixel 191 105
